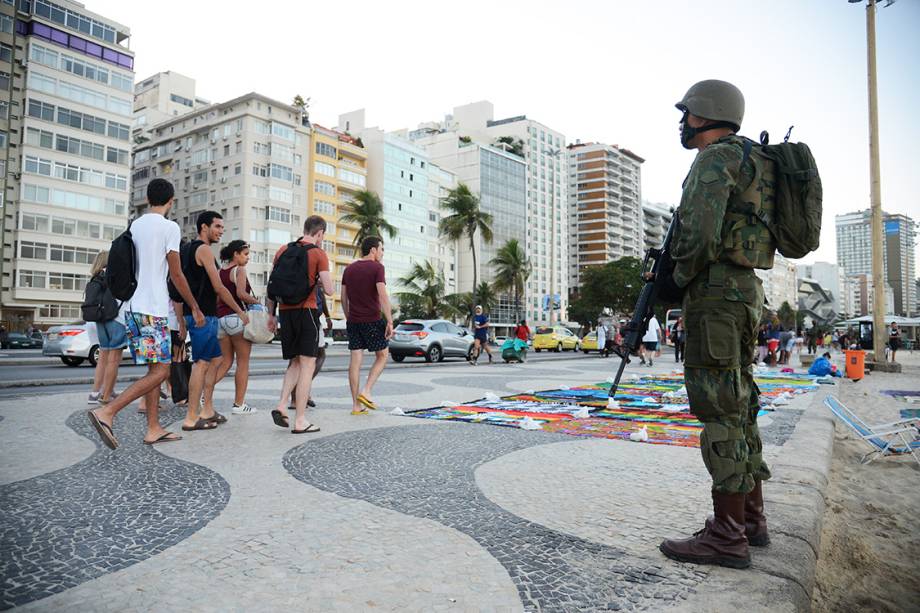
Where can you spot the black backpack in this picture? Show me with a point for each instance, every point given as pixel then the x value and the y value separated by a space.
pixel 98 303
pixel 288 282
pixel 121 270
pixel 796 221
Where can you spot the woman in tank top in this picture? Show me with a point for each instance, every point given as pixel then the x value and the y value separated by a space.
pixel 235 256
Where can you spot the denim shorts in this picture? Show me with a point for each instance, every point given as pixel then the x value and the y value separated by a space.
pixel 204 339
pixel 229 325
pixel 112 334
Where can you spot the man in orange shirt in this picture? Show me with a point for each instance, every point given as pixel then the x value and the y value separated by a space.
pixel 299 321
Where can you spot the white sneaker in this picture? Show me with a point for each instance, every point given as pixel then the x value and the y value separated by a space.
pixel 243 409
pixel 93 398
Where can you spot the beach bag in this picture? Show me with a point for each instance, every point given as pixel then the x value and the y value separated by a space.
pixel 256 331
pixel 121 269
pixel 179 374
pixel 98 303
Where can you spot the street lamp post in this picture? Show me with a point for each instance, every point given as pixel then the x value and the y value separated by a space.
pixel 878 276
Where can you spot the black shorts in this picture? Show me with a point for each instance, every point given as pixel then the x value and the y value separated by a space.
pixel 371 335
pixel 299 333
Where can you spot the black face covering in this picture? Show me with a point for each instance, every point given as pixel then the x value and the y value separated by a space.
pixel 688 133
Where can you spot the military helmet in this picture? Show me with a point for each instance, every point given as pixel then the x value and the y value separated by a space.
pixel 715 100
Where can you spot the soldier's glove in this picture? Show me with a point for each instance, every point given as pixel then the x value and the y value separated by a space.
pixel 669 291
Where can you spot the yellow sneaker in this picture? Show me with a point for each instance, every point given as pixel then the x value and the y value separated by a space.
pixel 359 412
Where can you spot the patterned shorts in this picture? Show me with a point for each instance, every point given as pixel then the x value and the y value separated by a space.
pixel 149 338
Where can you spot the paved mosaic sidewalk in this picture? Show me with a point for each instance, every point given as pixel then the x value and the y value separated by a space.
pixel 391 514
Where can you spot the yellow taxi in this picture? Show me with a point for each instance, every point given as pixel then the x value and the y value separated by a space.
pixel 556 338
pixel 589 342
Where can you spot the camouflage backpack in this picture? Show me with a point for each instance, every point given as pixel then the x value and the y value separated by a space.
pixel 795 221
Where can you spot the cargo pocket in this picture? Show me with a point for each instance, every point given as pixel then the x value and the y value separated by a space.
pixel 719 341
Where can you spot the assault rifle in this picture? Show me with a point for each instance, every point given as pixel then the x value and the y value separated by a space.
pixel 658 285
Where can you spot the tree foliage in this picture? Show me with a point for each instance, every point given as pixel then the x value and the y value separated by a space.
pixel 615 286
pixel 512 269
pixel 465 219
pixel 424 290
pixel 365 210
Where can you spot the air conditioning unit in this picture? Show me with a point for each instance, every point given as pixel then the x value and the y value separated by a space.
pixel 223 179
pixel 213 140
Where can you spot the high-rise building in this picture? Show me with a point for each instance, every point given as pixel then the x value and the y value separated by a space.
pixel 249 160
pixel 779 283
pixel 66 85
pixel 442 253
pixel 397 171
pixel 338 170
pixel 863 295
pixel 854 252
pixel 160 97
pixel 605 210
pixel 656 217
pixel 546 221
pixel 498 178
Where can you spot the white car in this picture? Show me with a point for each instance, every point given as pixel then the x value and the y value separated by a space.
pixel 73 343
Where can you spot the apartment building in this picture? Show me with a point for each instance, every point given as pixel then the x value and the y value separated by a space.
pixel 338 170
pixel 66 86
pixel 248 159
pixel 779 283
pixel 442 253
pixel 604 206
pixel 854 252
pixel 397 171
pixel 499 179
pixel 161 97
pixel 546 220
pixel 656 217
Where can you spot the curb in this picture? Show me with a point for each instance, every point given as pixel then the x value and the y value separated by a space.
pixel 782 575
pixel 88 380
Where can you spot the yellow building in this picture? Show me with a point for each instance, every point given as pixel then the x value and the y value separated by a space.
pixel 338 169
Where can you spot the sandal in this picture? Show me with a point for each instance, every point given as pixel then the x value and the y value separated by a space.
pixel 280 419
pixel 166 438
pixel 201 424
pixel 367 402
pixel 217 418
pixel 104 430
pixel 310 428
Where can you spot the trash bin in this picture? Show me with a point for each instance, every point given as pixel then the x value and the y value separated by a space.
pixel 856 363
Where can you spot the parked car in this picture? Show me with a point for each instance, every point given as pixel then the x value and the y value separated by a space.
pixel 589 342
pixel 73 343
pixel 38 339
pixel 432 339
pixel 557 338
pixel 17 340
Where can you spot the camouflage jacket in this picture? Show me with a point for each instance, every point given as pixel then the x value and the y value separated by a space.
pixel 713 225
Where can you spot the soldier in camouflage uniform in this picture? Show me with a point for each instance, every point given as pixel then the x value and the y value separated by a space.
pixel 716 247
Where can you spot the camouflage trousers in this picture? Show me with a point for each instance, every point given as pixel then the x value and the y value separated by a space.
pixel 721 310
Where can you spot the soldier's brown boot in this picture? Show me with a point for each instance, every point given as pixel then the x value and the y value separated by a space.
pixel 755 522
pixel 721 542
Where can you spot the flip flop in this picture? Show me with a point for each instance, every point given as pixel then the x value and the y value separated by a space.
pixel 217 418
pixel 104 430
pixel 166 438
pixel 201 424
pixel 280 419
pixel 368 403
pixel 307 430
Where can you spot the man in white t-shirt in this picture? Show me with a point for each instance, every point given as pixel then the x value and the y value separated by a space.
pixel 650 341
pixel 156 243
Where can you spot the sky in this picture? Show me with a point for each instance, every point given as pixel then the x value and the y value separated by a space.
pixel 598 71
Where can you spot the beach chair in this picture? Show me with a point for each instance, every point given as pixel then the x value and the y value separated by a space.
pixel 883 438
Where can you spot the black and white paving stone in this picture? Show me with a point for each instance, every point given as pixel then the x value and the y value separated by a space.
pixel 428 472
pixel 100 515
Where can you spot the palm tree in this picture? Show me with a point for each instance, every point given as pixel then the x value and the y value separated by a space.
pixel 512 269
pixel 465 219
pixel 425 284
pixel 486 296
pixel 366 211
pixel 456 306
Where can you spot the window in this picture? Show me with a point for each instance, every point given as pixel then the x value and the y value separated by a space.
pixel 59 311
pixel 353 177
pixel 32 278
pixel 116 156
pixel 260 170
pixel 324 149
pixel 282 172
pixel 72 200
pixel 321 187
pixel 41 110
pixel 4 109
pixel 282 131
pixel 261 149
pixel 30 221
pixel 181 100
pixel 6 24
pixel 33 251
pixel 323 207
pixel 79 147
pixel 6 53
pixel 324 169
pixel 3 138
pixel 77 255
pixel 67 281
pixel 274 213
pixel 281 195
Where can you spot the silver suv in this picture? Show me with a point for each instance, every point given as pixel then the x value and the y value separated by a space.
pixel 432 339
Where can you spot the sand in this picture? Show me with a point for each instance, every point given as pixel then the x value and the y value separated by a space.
pixel 869 558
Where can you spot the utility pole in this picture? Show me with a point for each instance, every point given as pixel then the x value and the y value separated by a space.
pixel 878 236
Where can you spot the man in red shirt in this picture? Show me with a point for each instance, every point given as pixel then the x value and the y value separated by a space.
pixel 364 298
pixel 300 328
